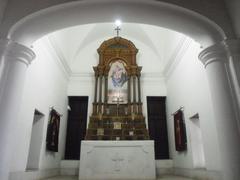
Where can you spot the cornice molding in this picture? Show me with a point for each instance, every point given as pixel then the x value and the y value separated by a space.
pixel 146 77
pixel 83 75
pixel 92 74
pixel 177 55
pixel 15 51
pixel 152 75
pixel 87 78
pixel 152 78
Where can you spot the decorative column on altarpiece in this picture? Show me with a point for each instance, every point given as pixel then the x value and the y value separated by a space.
pixel 134 95
pixel 139 90
pixel 100 94
pixel 105 91
pixel 95 91
pixel 129 94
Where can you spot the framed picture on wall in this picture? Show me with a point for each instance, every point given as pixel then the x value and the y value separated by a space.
pixel 53 131
pixel 180 131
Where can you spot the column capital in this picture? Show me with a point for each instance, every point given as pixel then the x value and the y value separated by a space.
pixel 216 52
pixel 220 51
pixel 16 51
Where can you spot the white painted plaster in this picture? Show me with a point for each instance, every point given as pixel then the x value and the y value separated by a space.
pixel 69 167
pixel 188 87
pixel 46 86
pixel 36 142
pixel 196 143
pixel 15 60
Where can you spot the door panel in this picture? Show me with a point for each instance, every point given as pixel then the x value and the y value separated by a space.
pixel 76 126
pixel 157 124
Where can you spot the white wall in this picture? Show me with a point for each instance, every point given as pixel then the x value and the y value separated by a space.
pixel 187 86
pixel 45 86
pixel 82 85
pixel 152 85
pixel 36 142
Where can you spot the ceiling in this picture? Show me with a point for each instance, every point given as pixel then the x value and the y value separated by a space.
pixel 77 46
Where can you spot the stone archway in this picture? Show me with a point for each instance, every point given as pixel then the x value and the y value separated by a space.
pixel 40 23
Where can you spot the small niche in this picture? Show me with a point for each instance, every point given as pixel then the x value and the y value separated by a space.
pixel 35 141
pixel 197 142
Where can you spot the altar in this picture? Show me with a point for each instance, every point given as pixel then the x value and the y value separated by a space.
pixel 117 160
pixel 117 144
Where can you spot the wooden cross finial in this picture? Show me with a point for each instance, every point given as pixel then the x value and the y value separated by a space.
pixel 118 29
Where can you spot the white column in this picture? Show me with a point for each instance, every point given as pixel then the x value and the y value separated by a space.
pixel 14 59
pixel 233 50
pixel 215 58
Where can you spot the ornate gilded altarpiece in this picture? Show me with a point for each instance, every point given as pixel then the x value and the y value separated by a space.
pixel 117 107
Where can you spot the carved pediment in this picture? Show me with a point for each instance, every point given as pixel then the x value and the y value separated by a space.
pixel 117 48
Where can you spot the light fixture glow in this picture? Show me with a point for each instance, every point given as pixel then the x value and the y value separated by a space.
pixel 118 22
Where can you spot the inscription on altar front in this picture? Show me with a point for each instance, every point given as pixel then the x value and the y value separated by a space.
pixel 117 159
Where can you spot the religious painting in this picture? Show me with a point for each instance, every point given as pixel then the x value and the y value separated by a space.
pixel 117 83
pixel 180 132
pixel 53 131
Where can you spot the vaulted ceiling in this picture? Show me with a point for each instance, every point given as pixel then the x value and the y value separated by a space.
pixel 77 46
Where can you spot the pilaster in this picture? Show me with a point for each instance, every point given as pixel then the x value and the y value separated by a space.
pixel 233 66
pixel 14 61
pixel 215 59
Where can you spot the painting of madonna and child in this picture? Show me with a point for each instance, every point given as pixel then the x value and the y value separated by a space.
pixel 117 83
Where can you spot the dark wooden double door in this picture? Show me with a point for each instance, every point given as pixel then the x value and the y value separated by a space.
pixel 76 126
pixel 157 125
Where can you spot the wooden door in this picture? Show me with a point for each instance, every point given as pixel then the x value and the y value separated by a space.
pixel 157 125
pixel 76 126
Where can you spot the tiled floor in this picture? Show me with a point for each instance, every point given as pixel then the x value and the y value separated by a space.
pixel 160 178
